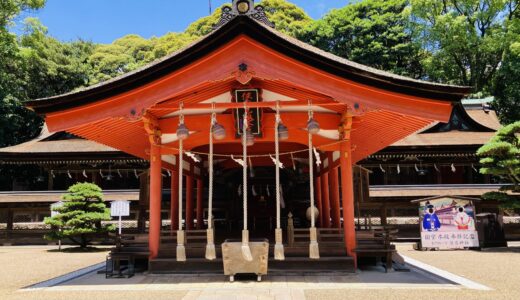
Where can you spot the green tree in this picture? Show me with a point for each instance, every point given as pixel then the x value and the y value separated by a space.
pixel 501 157
pixel 507 85
pixel 466 39
pixel 79 219
pixel 287 18
pixel 371 32
pixel 16 124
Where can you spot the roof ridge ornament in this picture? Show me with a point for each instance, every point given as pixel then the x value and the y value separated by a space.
pixel 243 7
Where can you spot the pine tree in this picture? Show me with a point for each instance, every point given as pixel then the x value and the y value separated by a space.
pixel 501 158
pixel 79 218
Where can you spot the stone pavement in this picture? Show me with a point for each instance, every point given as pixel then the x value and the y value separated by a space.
pixel 291 286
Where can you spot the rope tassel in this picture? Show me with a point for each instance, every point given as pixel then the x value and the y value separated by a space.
pixel 278 246
pixel 314 250
pixel 181 250
pixel 210 246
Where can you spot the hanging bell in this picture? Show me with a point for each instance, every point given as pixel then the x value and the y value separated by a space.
pixel 283 132
pixel 182 132
pixel 218 131
pixel 312 126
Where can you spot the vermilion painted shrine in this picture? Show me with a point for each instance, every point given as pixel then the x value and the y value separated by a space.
pixel 245 63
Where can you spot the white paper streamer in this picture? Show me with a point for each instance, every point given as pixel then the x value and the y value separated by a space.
pixel 238 160
pixel 121 175
pixel 436 168
pixel 474 169
pixel 382 169
pixel 416 168
pixel 84 174
pixel 135 173
pixel 398 169
pixel 192 156
pixel 317 156
pixel 267 191
pixel 68 174
pixel 253 190
pixel 453 169
pixel 278 164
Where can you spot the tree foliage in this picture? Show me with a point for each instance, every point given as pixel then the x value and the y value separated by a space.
pixel 466 39
pixel 80 216
pixel 371 32
pixel 469 42
pixel 501 157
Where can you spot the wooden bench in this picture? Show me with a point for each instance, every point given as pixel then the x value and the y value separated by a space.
pixel 376 243
pixel 120 262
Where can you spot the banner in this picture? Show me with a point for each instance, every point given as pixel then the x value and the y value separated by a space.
pixel 448 223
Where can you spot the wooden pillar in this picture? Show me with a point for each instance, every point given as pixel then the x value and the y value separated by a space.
pixel 144 200
pixel 189 202
pixel 10 219
pixel 155 200
pixel 383 214
pixel 325 202
pixel 347 194
pixel 317 187
pixel 200 208
pixel 174 202
pixel 334 196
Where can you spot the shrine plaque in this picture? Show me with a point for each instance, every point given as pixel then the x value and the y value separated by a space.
pixel 254 114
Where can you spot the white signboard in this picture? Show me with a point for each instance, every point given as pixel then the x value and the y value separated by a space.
pixel 448 223
pixel 55 205
pixel 120 208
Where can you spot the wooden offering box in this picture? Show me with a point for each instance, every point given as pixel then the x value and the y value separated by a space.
pixel 234 262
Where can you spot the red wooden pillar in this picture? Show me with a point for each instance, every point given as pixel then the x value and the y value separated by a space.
pixel 325 203
pixel 319 205
pixel 189 202
pixel 334 196
pixel 155 200
pixel 200 209
pixel 347 194
pixel 174 204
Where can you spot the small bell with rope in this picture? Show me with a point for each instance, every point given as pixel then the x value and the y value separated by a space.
pixel 182 134
pixel 312 128
pixel 278 247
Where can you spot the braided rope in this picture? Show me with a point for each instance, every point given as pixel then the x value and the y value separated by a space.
pixel 244 167
pixel 277 172
pixel 328 145
pixel 210 187
pixel 180 183
pixel 311 179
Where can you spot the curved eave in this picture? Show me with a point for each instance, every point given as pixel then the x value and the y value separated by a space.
pixel 243 25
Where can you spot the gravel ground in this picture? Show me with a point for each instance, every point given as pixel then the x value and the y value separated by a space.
pixel 495 268
pixel 23 266
pixel 498 269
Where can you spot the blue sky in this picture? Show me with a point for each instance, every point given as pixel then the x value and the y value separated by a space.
pixel 103 21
